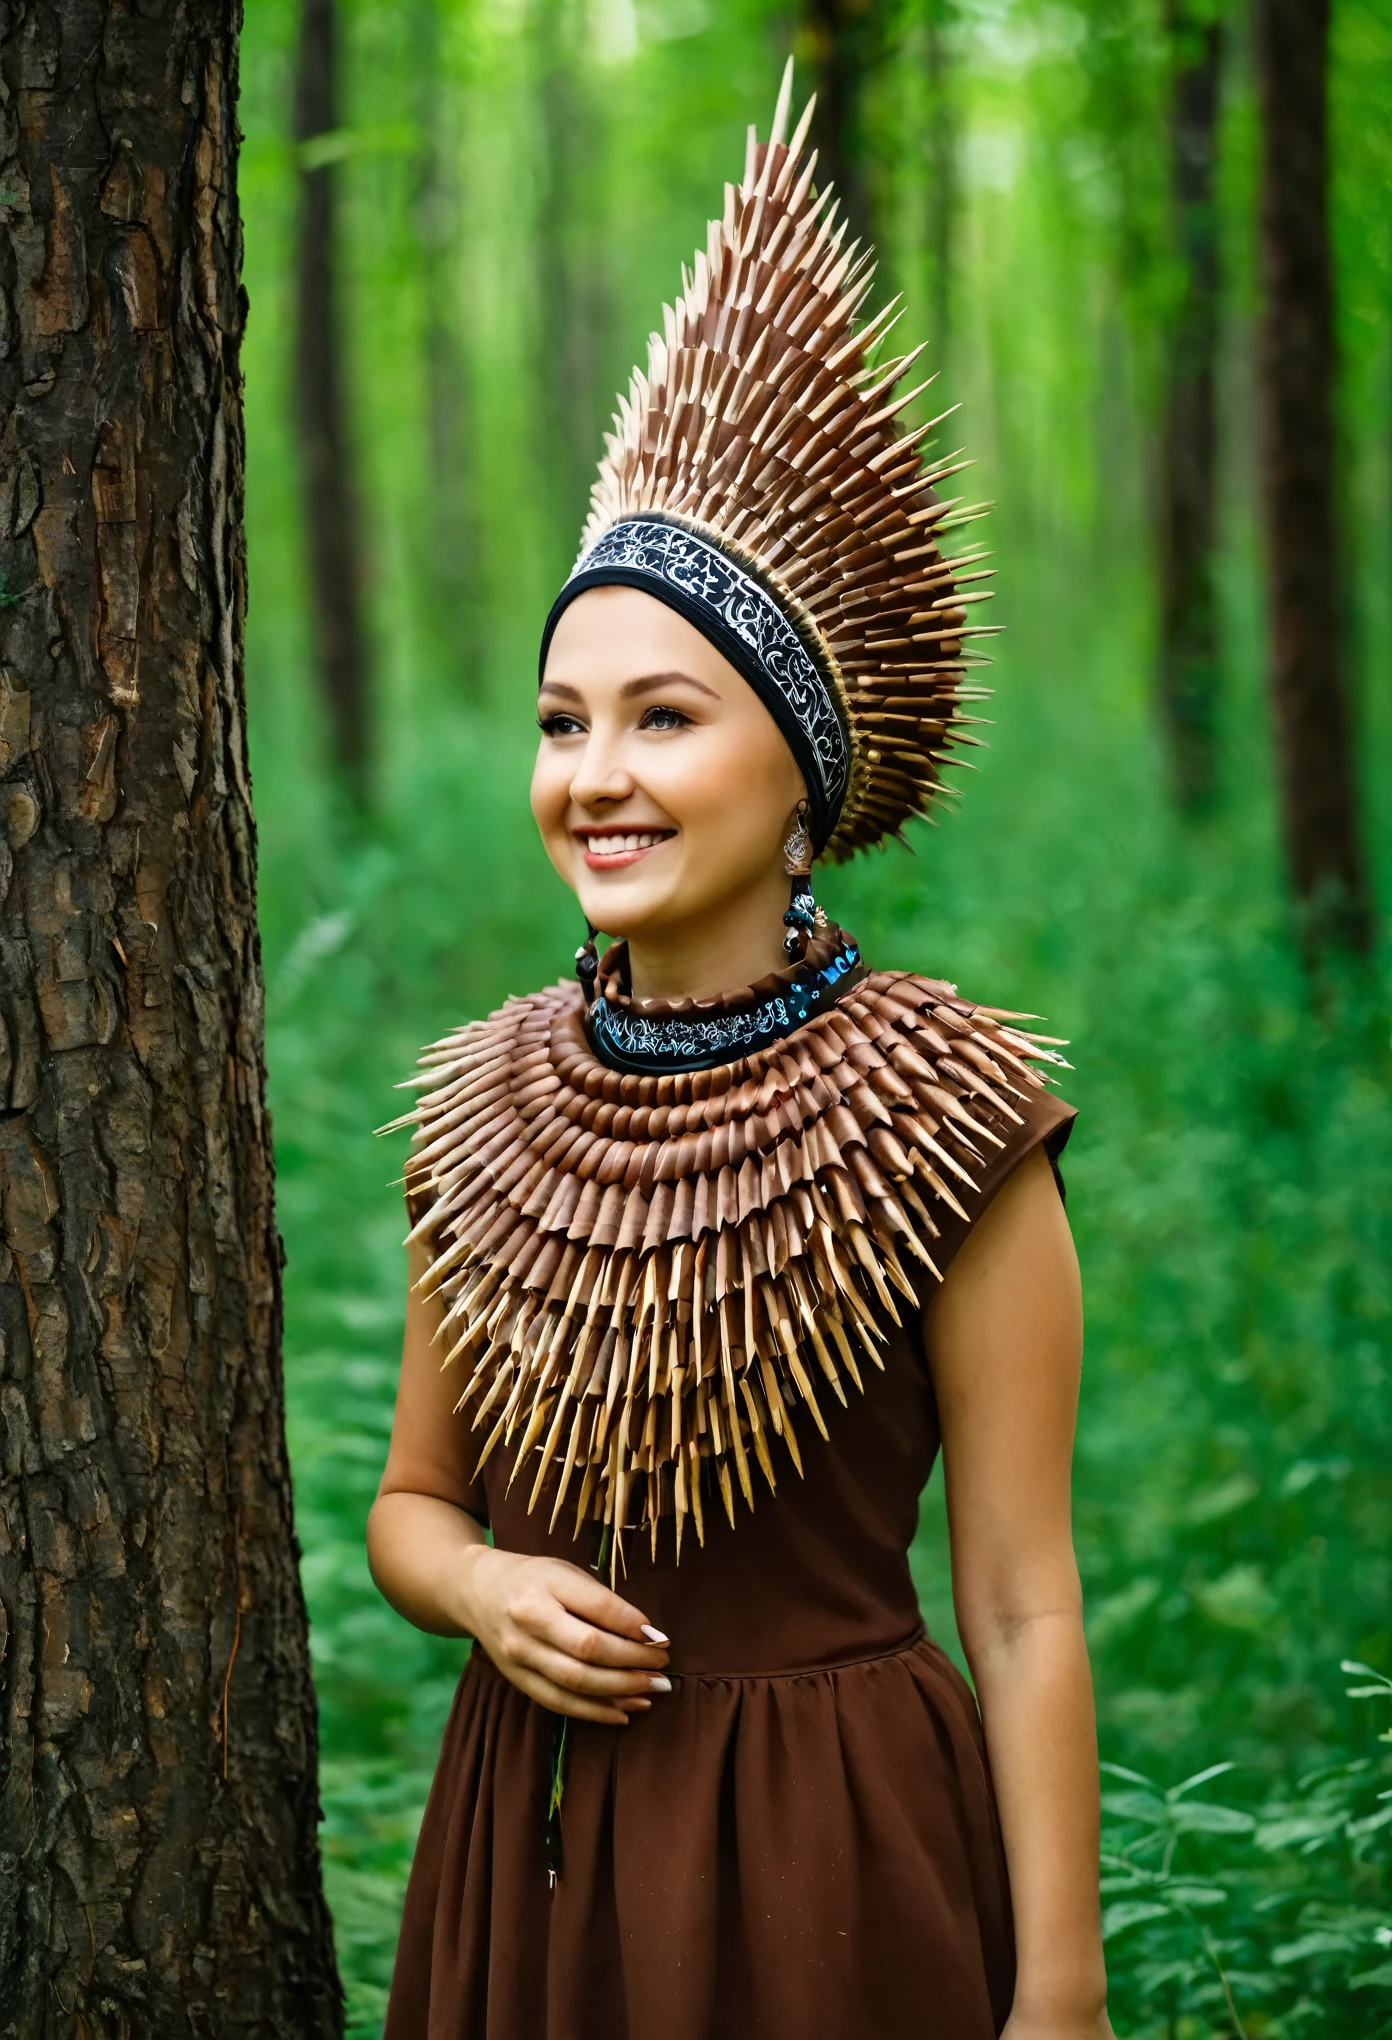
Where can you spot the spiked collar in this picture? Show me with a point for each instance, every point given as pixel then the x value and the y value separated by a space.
pixel 653 1282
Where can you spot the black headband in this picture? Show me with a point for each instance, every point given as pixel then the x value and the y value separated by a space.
pixel 694 576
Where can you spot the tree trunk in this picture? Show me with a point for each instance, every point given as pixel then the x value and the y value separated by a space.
pixel 1189 659
pixel 451 543
pixel 941 156
pixel 330 495
pixel 159 1870
pixel 840 40
pixel 1305 671
pixel 572 292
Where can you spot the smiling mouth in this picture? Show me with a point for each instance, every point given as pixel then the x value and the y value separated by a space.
pixel 611 849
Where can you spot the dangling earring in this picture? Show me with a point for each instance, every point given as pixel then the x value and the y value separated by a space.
pixel 587 963
pixel 801 917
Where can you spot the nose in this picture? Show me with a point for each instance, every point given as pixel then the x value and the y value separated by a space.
pixel 601 775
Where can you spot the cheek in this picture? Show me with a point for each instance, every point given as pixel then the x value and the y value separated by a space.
pixel 549 792
pixel 730 788
pixel 550 799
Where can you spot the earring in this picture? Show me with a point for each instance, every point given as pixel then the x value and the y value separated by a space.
pixel 587 963
pixel 801 917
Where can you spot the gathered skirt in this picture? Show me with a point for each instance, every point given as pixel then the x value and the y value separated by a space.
pixel 803 1856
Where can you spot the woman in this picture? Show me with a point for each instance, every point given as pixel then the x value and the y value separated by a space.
pixel 713 1272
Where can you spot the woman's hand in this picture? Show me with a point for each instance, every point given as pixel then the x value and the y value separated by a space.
pixel 561 1636
pixel 550 1627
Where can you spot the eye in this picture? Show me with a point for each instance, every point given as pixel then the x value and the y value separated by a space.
pixel 560 725
pixel 660 718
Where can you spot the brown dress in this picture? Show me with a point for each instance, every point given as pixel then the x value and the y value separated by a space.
pixel 800 1842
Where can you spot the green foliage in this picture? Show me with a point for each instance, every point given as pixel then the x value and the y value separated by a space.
pixel 1231 1176
pixel 1277 1918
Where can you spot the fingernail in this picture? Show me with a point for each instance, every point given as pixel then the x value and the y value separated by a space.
pixel 660 1684
pixel 653 1635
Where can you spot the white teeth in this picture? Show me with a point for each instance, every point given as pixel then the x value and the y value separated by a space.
pixel 614 846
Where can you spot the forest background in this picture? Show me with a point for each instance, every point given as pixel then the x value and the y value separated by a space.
pixel 483 210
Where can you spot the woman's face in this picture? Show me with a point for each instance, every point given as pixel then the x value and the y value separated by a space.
pixel 663 789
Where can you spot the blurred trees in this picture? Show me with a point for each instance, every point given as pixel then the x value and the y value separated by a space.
pixel 940 172
pixel 840 43
pixel 333 536
pixel 1157 100
pixel 450 535
pixel 903 119
pixel 571 267
pixel 1297 384
pixel 1188 453
pixel 159 1864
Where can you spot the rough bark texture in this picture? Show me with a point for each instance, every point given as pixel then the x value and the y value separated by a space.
pixel 332 532
pixel 1305 671
pixel 159 1870
pixel 1189 659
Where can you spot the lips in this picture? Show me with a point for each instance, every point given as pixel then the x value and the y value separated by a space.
pixel 612 849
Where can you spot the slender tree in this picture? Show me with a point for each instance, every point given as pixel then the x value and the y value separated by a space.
pixel 941 180
pixel 1188 466
pixel 1310 714
pixel 332 530
pixel 572 295
pixel 451 540
pixel 159 1870
pixel 842 41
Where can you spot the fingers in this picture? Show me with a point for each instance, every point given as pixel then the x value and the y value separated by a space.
pixel 561 1701
pixel 589 1598
pixel 591 1646
pixel 565 1639
pixel 594 1681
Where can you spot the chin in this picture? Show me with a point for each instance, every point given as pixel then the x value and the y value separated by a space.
pixel 628 911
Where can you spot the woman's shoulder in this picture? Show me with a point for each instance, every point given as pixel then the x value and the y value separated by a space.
pixel 974 1082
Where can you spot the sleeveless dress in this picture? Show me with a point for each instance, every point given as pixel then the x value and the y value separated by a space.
pixel 800 1841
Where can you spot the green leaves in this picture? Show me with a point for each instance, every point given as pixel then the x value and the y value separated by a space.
pixel 1273 1917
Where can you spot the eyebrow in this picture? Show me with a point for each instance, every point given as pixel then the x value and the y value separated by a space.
pixel 646 683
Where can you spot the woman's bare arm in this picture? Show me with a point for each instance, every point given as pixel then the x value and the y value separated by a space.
pixel 1004 1339
pixel 552 1628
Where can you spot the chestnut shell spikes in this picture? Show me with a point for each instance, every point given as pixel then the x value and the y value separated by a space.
pixel 652 1283
pixel 761 421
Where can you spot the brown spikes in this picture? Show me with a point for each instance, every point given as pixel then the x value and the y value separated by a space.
pixel 629 1343
pixel 765 417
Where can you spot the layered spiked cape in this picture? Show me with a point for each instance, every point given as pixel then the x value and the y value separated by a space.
pixel 762 424
pixel 651 1282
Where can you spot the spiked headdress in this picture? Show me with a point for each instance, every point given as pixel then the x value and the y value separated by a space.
pixel 756 480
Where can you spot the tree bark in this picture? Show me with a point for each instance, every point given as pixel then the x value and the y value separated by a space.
pixel 1189 654
pixel 332 529
pixel 1318 789
pixel 159 1870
